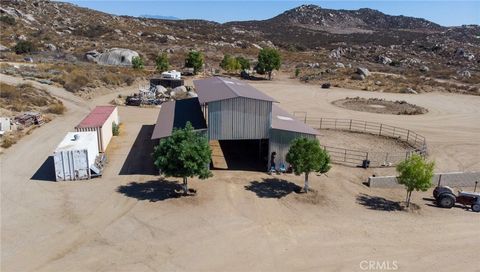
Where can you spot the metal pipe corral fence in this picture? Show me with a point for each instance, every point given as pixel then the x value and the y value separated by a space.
pixel 352 157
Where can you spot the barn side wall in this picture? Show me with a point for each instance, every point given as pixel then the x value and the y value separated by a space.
pixel 280 141
pixel 239 118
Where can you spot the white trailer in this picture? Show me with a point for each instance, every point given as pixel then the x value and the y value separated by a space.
pixel 100 120
pixel 75 157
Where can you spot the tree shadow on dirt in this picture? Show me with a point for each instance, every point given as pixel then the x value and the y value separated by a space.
pixel 378 203
pixel 273 188
pixel 153 190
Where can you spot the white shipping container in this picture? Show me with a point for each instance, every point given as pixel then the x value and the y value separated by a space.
pixel 75 156
pixel 101 120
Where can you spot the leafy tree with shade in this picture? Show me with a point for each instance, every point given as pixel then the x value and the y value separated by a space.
pixel 244 63
pixel 194 60
pixel 268 60
pixel 415 173
pixel 306 156
pixel 229 64
pixel 137 63
pixel 161 62
pixel 184 154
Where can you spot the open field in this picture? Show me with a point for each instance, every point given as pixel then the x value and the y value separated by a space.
pixel 238 221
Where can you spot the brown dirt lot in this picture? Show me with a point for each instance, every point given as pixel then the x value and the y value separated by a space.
pixel 239 221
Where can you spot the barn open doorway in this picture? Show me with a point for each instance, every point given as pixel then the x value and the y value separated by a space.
pixel 248 155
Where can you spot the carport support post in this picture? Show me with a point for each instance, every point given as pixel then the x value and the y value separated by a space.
pixel 380 133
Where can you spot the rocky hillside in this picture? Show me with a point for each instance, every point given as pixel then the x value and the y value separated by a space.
pixel 306 35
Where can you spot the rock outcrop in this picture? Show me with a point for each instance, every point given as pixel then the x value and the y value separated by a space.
pixel 114 56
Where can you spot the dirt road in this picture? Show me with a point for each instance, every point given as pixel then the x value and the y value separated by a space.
pixel 239 221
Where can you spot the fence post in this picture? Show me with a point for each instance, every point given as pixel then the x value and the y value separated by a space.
pixel 408 134
pixel 345 156
pixel 365 127
pixel 321 122
pixel 380 133
pixel 350 125
pixel 386 158
pixel 415 144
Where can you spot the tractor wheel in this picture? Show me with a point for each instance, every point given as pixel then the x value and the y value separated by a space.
pixel 476 207
pixel 446 200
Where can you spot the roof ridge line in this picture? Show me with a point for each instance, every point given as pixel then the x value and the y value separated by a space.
pixel 228 86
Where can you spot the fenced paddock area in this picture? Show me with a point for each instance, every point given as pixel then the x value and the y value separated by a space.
pixel 452 179
pixel 354 157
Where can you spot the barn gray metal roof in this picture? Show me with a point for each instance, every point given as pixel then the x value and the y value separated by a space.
pixel 282 120
pixel 220 88
pixel 176 114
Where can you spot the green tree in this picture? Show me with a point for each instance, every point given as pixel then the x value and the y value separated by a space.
pixel 184 154
pixel 194 60
pixel 229 64
pixel 23 47
pixel 137 63
pixel 161 62
pixel 415 173
pixel 306 156
pixel 297 72
pixel 268 60
pixel 244 63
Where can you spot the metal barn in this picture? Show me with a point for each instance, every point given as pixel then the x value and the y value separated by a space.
pixel 242 123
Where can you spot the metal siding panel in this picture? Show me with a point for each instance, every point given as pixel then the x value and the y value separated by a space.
pixel 239 118
pixel 280 143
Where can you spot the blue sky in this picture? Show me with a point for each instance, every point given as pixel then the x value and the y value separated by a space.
pixel 447 13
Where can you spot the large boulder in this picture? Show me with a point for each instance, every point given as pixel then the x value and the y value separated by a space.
pixel 363 71
pixel 114 56
pixel 92 55
pixel 117 56
pixel 384 60
pixel 465 73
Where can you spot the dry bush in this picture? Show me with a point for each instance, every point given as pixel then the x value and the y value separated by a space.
pixel 111 79
pixel 57 108
pixel 8 141
pixel 76 80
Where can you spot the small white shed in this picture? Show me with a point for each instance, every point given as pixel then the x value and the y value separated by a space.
pixel 75 156
pixel 100 120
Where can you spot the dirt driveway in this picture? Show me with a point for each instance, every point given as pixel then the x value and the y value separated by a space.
pixel 239 221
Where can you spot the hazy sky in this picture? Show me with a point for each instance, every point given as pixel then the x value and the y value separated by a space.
pixel 447 13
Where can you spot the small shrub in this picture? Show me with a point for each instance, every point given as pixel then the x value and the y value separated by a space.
pixel 297 72
pixel 111 79
pixel 9 20
pixel 137 63
pixel 8 142
pixel 129 80
pixel 57 108
pixel 115 129
pixel 23 47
